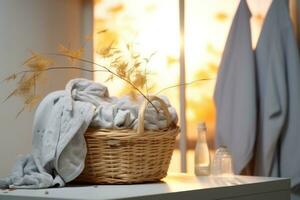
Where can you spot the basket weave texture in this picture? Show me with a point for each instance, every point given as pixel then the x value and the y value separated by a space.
pixel 129 156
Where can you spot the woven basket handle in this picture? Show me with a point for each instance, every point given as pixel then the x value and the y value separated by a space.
pixel 141 117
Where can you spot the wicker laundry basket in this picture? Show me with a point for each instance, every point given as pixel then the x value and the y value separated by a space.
pixel 129 156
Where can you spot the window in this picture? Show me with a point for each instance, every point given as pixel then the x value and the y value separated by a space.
pixel 153 26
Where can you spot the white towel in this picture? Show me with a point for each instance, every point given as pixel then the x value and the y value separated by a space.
pixel 122 113
pixel 235 92
pixel 58 147
pixel 278 68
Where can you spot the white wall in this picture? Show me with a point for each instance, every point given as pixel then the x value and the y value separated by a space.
pixel 39 25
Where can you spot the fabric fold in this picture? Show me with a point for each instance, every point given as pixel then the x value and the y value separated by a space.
pixel 61 119
pixel 235 92
pixel 278 66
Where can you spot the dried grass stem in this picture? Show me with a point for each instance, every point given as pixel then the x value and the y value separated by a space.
pixel 110 71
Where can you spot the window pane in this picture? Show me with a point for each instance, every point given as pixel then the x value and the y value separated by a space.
pixel 153 27
pixel 207 27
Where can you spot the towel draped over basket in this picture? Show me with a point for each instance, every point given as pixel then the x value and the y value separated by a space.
pixel 59 141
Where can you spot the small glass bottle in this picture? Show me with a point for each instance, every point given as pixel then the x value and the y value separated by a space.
pixel 222 162
pixel 202 157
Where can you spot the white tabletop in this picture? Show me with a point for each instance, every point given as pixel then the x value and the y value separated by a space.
pixel 175 186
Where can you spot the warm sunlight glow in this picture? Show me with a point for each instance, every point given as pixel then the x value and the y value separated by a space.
pixel 153 27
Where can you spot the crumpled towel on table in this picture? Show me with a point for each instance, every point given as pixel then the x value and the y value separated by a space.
pixel 61 119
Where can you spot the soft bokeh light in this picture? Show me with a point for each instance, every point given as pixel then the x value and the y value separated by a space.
pixel 153 27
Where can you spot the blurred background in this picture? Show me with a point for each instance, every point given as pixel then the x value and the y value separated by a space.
pixel 153 26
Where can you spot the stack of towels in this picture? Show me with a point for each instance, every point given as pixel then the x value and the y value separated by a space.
pixel 62 118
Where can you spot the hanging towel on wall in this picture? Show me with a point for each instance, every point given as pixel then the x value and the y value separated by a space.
pixel 278 67
pixel 235 92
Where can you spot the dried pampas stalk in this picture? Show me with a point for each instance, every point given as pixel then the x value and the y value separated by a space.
pixel 126 69
pixel 131 70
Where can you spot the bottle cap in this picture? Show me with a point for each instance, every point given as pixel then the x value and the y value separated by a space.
pixel 202 126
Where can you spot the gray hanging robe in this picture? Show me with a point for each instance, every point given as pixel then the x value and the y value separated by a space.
pixel 235 92
pixel 278 66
